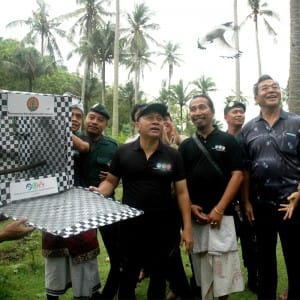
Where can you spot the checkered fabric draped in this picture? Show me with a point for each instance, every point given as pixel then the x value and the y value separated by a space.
pixel 71 212
pixel 26 140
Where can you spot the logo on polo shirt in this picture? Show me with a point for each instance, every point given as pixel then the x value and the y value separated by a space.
pixel 163 166
pixel 219 148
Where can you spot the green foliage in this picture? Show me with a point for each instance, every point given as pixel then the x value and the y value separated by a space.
pixel 58 82
pixel 19 281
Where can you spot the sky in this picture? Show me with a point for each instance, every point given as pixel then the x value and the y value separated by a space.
pixel 183 22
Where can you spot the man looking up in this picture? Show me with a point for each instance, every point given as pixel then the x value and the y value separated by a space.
pixel 272 147
pixel 147 168
pixel 213 163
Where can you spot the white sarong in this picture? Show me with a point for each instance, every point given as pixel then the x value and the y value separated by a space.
pixel 215 259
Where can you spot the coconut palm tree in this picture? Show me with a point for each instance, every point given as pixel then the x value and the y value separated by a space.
pixel 260 10
pixel 172 58
pixel 136 65
pixel 127 95
pixel 204 85
pixel 294 76
pixel 138 40
pixel 89 17
pixel 27 63
pixel 164 93
pixel 87 54
pixel 44 29
pixel 115 122
pixel 237 47
pixel 181 94
pixel 232 98
pixel 102 41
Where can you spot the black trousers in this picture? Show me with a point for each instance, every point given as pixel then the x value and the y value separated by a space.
pixel 269 223
pixel 111 239
pixel 246 232
pixel 176 275
pixel 147 242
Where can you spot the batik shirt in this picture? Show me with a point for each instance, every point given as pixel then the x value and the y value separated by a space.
pixel 272 156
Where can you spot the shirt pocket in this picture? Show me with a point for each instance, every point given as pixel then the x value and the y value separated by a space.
pixel 288 143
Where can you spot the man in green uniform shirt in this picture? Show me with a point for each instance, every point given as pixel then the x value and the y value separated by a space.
pixel 102 147
pixel 96 165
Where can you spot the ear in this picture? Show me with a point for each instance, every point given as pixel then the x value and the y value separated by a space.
pixel 256 100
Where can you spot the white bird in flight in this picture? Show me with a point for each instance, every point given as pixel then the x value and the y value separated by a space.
pixel 216 36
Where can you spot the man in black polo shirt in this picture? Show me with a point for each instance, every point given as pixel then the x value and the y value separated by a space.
pixel 147 168
pixel 215 256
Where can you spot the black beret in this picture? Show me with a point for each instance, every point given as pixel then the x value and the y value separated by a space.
pixel 100 109
pixel 234 104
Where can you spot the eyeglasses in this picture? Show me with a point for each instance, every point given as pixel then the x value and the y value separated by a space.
pixel 266 87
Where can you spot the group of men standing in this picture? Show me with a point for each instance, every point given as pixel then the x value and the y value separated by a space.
pixel 205 174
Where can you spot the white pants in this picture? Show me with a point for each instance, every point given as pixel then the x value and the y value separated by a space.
pixel 61 273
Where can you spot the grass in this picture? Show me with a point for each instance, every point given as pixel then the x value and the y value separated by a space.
pixel 22 271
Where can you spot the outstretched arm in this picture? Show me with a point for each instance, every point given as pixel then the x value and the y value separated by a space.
pixel 107 186
pixel 15 230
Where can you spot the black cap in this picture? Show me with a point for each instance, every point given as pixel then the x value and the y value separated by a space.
pixel 153 107
pixel 100 109
pixel 234 104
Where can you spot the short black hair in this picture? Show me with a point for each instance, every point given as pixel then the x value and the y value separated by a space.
pixel 135 109
pixel 209 101
pixel 234 104
pixel 260 79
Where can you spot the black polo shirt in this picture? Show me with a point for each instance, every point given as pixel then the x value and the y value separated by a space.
pixel 205 185
pixel 147 183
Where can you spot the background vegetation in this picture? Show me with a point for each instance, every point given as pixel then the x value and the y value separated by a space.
pixel 35 63
pixel 22 271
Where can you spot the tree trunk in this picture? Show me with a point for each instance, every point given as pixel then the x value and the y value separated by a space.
pixel 136 80
pixel 103 94
pixel 115 121
pixel 169 86
pixel 294 76
pixel 237 59
pixel 257 46
pixel 83 87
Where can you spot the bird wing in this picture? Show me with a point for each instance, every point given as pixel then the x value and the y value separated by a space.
pixel 216 36
pixel 210 37
pixel 226 50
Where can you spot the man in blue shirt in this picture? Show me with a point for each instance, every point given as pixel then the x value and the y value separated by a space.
pixel 272 153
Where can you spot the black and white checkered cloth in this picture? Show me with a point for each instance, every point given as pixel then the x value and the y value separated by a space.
pixel 25 140
pixel 69 213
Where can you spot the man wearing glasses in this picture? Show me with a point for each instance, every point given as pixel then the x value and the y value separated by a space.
pixel 272 157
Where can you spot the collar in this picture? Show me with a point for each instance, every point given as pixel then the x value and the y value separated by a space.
pixel 283 115
pixel 137 145
pixel 211 133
